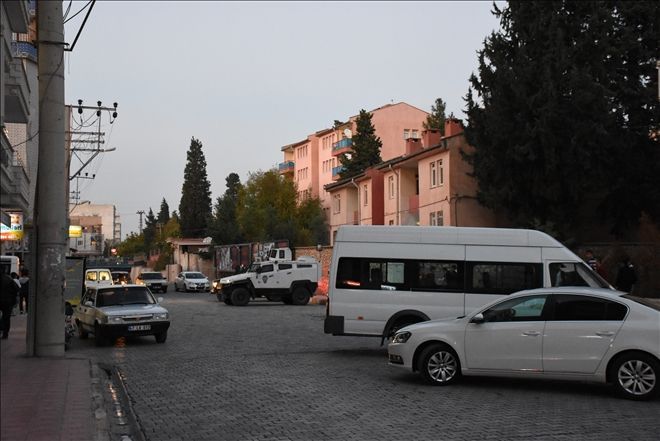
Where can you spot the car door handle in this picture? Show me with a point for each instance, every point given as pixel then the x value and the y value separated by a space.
pixel 605 333
pixel 531 333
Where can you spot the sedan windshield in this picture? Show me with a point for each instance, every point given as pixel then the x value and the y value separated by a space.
pixel 195 276
pixel 135 295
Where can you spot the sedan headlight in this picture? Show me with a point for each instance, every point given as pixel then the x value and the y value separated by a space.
pixel 401 337
pixel 161 316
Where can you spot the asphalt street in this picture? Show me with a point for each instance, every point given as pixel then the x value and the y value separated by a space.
pixel 267 371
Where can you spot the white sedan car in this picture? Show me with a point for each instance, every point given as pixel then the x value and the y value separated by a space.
pixel 192 281
pixel 570 333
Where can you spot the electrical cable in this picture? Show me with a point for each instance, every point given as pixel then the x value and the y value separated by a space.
pixel 81 9
pixel 68 8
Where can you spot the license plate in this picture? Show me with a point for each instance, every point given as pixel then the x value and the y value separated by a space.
pixel 139 327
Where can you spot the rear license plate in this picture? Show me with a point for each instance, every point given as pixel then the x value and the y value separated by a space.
pixel 139 328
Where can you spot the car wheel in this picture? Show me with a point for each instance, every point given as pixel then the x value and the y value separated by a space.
pixel 240 297
pixel 439 365
pixel 636 375
pixel 82 334
pixel 287 299
pixel 300 296
pixel 161 337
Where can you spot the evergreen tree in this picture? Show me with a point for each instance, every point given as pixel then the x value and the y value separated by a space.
pixel 164 213
pixel 366 147
pixel 436 119
pixel 560 115
pixel 149 231
pixel 224 228
pixel 195 204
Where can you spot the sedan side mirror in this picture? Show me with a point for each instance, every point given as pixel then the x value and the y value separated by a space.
pixel 160 299
pixel 478 319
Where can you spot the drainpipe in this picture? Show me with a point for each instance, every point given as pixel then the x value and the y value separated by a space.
pixel 357 187
pixel 398 219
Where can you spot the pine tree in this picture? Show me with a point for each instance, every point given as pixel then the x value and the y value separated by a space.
pixel 436 119
pixel 224 228
pixel 195 204
pixel 560 115
pixel 164 213
pixel 366 147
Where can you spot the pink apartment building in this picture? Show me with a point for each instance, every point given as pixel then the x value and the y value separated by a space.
pixel 313 162
pixel 426 185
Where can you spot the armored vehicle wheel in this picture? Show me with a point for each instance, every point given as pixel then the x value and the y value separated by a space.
pixel 300 296
pixel 240 297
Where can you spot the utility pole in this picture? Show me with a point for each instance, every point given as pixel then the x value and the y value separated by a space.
pixel 140 213
pixel 45 335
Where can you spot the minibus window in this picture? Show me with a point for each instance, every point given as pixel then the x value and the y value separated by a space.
pixel 575 274
pixel 504 277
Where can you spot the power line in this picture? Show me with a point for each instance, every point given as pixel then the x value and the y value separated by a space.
pixel 74 15
pixel 75 40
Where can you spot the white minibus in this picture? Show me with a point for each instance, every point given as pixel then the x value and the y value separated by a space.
pixel 385 277
pixel 9 264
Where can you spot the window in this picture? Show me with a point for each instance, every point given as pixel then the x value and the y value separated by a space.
pixel 415 134
pixel 432 218
pixel 441 174
pixel 504 277
pixel 284 266
pixel 267 268
pixel 574 274
pixel 434 175
pixel 365 192
pixel 523 309
pixel 440 218
pixel 406 133
pixel 390 186
pixel 391 222
pixel 586 308
pixel 436 218
pixel 336 204
pixel 399 274
pixel 91 276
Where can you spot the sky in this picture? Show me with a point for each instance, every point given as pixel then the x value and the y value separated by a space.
pixel 246 78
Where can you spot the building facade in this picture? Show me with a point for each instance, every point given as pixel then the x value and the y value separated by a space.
pixel 19 122
pixel 100 226
pixel 313 163
pixel 429 184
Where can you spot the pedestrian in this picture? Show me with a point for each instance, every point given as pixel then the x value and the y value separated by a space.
pixel 18 284
pixel 7 300
pixel 23 293
pixel 591 260
pixel 626 277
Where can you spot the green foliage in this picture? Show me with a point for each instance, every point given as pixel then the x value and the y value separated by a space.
pixel 311 224
pixel 561 111
pixel 224 228
pixel 132 245
pixel 366 147
pixel 436 119
pixel 266 207
pixel 195 204
pixel 149 231
pixel 164 213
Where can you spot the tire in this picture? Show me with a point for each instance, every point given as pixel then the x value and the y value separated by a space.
pixel 300 296
pixel 401 323
pixel 240 297
pixel 636 376
pixel 82 334
pixel 287 299
pixel 161 337
pixel 439 365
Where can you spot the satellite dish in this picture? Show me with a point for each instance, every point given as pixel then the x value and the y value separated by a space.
pixel 347 133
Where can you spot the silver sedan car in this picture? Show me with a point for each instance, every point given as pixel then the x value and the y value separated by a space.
pixel 568 333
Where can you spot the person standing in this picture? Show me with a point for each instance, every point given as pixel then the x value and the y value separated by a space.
pixel 626 277
pixel 23 293
pixel 7 300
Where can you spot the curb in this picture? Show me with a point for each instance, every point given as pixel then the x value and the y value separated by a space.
pixel 122 409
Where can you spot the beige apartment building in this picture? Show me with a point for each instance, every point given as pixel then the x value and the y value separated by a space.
pixel 313 162
pixel 100 225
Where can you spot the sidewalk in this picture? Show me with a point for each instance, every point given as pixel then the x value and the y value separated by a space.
pixel 43 399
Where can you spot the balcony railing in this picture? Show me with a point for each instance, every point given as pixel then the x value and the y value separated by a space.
pixel 336 171
pixel 343 146
pixel 24 49
pixel 286 166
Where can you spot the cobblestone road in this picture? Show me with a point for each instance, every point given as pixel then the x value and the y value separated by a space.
pixel 268 372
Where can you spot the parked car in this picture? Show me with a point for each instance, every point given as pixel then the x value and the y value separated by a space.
pixel 114 311
pixel 121 277
pixel 192 281
pixel 97 277
pixel 571 333
pixel 153 280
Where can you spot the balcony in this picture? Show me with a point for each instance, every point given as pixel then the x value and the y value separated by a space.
pixel 286 167
pixel 343 146
pixel 24 49
pixel 336 172
pixel 17 92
